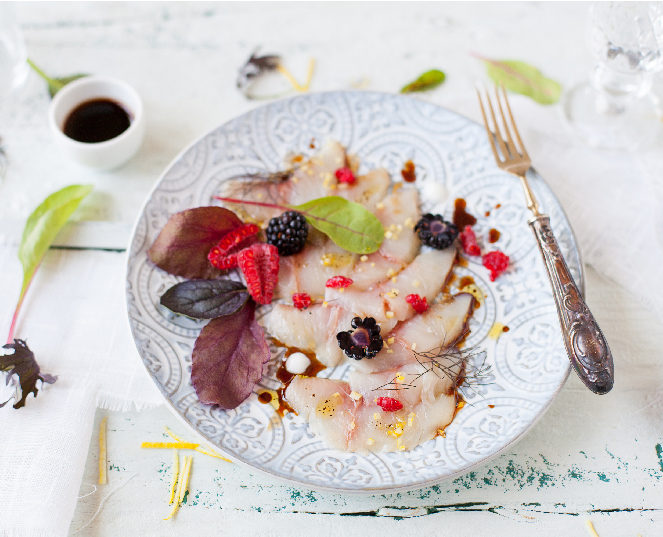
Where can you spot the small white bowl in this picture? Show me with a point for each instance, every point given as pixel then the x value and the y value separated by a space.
pixel 100 155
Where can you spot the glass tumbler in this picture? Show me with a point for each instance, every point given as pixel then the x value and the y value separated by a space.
pixel 615 108
pixel 14 67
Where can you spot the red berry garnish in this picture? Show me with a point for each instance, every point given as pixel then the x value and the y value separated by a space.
pixel 224 255
pixel 496 262
pixel 260 265
pixel 469 241
pixel 338 282
pixel 345 175
pixel 301 301
pixel 389 404
pixel 419 304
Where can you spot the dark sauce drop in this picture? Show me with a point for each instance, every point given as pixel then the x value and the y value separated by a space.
pixel 505 329
pixel 408 172
pixel 491 406
pixel 464 281
pixel 265 397
pixel 461 217
pixel 96 121
pixel 493 235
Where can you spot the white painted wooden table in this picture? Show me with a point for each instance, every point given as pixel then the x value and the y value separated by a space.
pixel 589 457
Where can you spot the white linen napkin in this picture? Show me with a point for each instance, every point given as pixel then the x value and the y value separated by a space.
pixel 74 320
pixel 613 199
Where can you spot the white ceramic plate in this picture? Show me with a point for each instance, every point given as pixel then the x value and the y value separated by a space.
pixel 528 364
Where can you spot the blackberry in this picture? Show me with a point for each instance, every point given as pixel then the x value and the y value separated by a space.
pixel 436 232
pixel 288 232
pixel 363 342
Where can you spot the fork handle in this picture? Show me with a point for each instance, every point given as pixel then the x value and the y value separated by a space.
pixel 585 344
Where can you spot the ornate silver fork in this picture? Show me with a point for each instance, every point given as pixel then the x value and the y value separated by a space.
pixel 585 344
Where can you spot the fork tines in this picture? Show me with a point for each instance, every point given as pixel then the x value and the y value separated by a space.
pixel 510 151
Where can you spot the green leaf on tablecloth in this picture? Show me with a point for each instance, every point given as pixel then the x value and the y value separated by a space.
pixel 40 231
pixel 22 363
pixel 55 84
pixel 427 81
pixel 520 77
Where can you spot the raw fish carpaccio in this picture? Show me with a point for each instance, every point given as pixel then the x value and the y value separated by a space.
pixel 347 414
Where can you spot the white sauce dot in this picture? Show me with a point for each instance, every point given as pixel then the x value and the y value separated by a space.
pixel 435 191
pixel 297 363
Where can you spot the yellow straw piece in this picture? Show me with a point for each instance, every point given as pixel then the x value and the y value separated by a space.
pixel 309 75
pixel 173 479
pixel 591 529
pixel 103 477
pixel 204 451
pixel 187 471
pixel 169 445
pixel 179 490
pixel 290 78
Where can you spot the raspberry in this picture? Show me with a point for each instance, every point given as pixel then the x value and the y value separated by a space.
pixel 288 232
pixel 338 281
pixel 496 262
pixel 363 342
pixel 389 404
pixel 301 301
pixel 345 175
pixel 436 232
pixel 469 241
pixel 260 265
pixel 224 255
pixel 419 304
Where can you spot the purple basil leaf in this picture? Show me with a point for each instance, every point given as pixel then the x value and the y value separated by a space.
pixel 205 299
pixel 23 363
pixel 228 357
pixel 184 242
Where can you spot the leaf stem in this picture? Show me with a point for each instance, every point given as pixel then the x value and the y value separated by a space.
pixel 24 291
pixel 259 204
pixel 47 78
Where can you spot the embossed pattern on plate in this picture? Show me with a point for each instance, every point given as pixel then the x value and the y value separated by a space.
pixel 528 363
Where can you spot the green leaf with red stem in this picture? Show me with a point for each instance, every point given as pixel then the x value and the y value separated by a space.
pixel 40 231
pixel 522 78
pixel 350 225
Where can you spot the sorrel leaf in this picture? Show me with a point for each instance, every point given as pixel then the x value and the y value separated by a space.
pixel 520 77
pixel 205 299
pixel 184 242
pixel 22 363
pixel 427 81
pixel 42 227
pixel 228 357
pixel 55 84
pixel 350 225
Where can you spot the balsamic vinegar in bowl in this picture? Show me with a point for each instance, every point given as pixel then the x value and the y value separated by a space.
pixel 96 120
